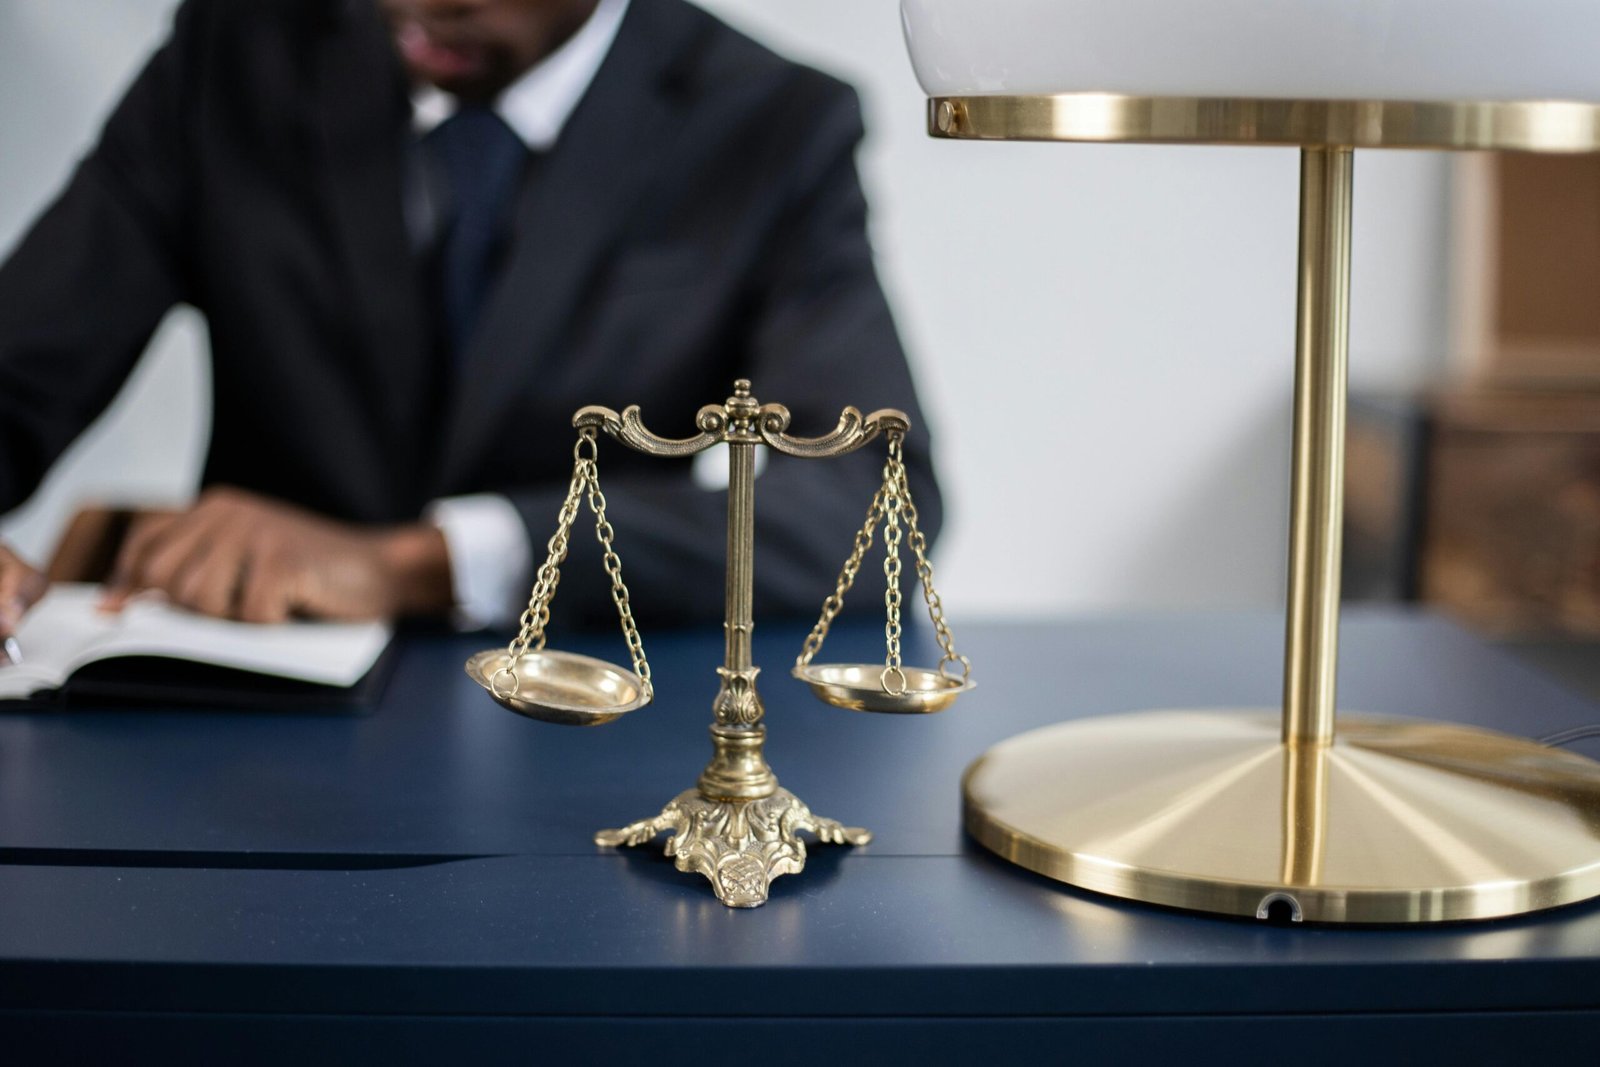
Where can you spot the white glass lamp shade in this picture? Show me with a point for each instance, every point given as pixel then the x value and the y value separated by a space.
pixel 1456 50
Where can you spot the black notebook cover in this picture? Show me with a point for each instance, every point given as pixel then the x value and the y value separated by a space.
pixel 159 681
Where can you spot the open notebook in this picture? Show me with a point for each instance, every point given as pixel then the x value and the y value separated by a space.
pixel 152 652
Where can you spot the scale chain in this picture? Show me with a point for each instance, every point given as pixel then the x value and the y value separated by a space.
pixel 536 617
pixel 847 578
pixel 919 546
pixel 891 572
pixel 891 504
pixel 531 628
pixel 619 592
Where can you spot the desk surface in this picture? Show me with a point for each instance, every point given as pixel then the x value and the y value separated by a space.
pixel 432 855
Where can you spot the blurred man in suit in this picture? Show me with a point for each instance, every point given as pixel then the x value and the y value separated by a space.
pixel 422 233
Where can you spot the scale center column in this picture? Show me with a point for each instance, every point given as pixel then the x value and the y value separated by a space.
pixel 738 770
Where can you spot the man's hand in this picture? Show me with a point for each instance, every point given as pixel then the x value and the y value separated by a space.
pixel 20 588
pixel 242 556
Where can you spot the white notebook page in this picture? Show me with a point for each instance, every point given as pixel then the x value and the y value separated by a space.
pixel 66 630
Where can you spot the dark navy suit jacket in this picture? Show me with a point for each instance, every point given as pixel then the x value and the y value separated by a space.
pixel 699 219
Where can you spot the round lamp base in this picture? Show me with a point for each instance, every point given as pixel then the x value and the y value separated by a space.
pixel 1396 821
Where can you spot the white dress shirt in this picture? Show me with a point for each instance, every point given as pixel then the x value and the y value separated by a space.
pixel 491 555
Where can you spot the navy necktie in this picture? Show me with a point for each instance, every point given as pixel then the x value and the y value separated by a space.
pixel 481 162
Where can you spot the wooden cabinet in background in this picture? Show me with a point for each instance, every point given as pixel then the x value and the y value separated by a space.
pixel 1485 503
pixel 1482 497
pixel 1526 271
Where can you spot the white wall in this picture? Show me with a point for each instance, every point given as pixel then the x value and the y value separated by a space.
pixel 1103 334
pixel 62 67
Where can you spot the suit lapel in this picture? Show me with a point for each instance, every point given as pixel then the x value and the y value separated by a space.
pixel 566 219
pixel 363 114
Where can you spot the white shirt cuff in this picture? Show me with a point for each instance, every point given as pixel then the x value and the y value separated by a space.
pixel 491 559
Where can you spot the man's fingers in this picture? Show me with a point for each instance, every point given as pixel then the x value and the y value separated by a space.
pixel 208 579
pixel 171 558
pixel 264 590
pixel 234 555
pixel 11 603
pixel 11 609
pixel 140 541
pixel 20 588
pixel 19 581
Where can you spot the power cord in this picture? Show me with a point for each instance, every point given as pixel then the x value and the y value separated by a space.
pixel 1566 737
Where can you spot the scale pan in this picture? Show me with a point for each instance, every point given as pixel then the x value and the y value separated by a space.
pixel 561 687
pixel 859 687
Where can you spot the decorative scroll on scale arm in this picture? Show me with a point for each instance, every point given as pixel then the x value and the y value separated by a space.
pixel 852 432
pixel 771 423
pixel 629 428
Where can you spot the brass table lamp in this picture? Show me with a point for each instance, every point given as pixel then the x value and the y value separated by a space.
pixel 1256 813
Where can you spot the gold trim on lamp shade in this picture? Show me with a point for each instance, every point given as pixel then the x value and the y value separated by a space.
pixel 1512 126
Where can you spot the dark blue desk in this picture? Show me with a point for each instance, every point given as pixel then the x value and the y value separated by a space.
pixel 416 882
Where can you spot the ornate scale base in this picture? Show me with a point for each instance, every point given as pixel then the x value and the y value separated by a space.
pixel 737 827
pixel 740 845
pixel 1394 821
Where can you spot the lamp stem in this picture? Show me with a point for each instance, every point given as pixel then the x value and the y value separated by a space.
pixel 1322 344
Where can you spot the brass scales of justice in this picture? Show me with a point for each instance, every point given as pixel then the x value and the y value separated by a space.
pixel 736 826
